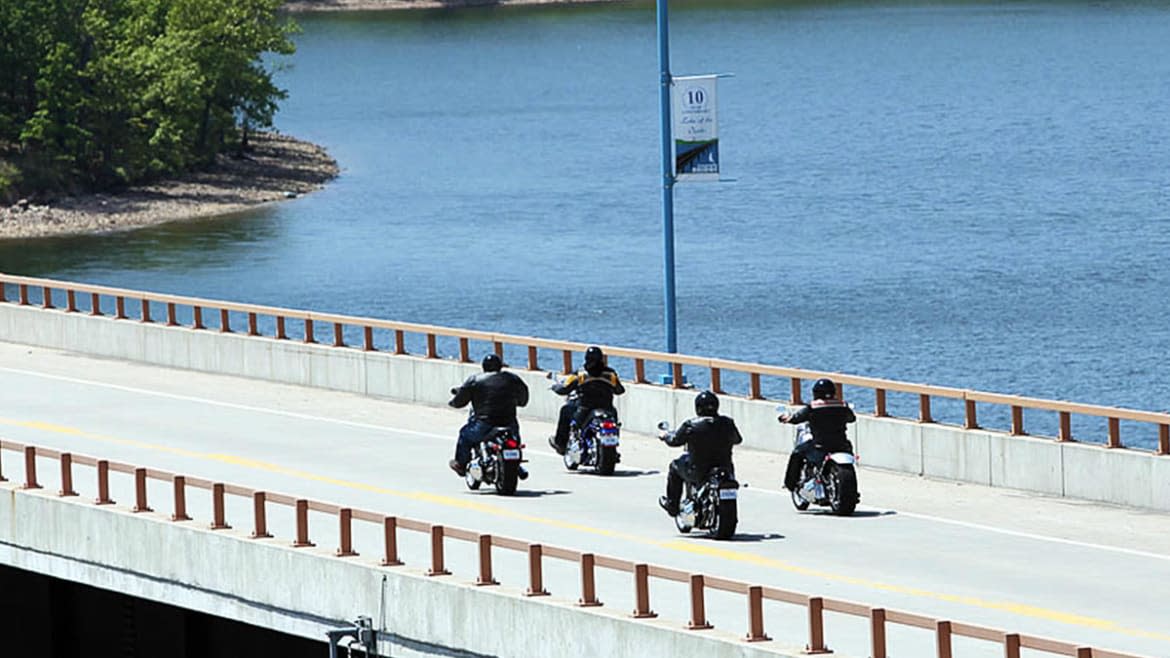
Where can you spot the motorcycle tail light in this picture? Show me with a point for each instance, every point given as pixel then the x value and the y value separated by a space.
pixel 511 443
pixel 608 425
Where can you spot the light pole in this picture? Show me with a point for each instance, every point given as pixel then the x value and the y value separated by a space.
pixel 667 177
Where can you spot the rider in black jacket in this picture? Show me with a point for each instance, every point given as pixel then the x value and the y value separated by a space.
pixel 827 417
pixel 494 396
pixel 709 438
pixel 595 384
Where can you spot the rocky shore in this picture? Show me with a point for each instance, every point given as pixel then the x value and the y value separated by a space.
pixel 278 167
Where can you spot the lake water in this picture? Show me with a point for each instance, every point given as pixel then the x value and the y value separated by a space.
pixel 967 194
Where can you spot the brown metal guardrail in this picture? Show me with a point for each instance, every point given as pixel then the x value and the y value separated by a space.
pixel 879 619
pixel 64 296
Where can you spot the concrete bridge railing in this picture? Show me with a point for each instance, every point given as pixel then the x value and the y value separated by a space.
pixel 178 544
pixel 370 356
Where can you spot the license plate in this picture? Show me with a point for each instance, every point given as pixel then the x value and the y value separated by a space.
pixel 609 441
pixel 728 494
pixel 511 455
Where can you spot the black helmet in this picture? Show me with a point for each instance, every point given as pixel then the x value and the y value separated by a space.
pixel 706 404
pixel 492 363
pixel 824 389
pixel 594 359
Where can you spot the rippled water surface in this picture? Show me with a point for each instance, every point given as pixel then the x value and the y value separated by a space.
pixel 967 194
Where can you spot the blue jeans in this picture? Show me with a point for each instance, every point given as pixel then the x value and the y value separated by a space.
pixel 471 434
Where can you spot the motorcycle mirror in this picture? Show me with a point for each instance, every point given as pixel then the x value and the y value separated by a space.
pixel 454 390
pixel 663 425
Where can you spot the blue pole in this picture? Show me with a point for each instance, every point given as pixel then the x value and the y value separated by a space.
pixel 667 178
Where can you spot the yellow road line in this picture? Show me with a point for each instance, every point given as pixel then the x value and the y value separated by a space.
pixel 1023 610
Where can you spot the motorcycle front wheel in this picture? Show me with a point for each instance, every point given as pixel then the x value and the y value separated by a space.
pixel 798 502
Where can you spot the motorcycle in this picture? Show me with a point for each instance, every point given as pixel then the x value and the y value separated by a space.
pixel 826 479
pixel 596 444
pixel 496 461
pixel 710 505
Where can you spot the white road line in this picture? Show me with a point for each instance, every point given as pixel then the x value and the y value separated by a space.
pixel 432 435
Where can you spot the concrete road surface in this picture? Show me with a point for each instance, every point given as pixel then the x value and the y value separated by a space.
pixel 1080 572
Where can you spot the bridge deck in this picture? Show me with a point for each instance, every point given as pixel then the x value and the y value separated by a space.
pixel 1080 572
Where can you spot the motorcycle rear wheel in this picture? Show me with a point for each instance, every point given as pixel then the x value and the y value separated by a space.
pixel 606 460
pixel 726 518
pixel 842 489
pixel 507 478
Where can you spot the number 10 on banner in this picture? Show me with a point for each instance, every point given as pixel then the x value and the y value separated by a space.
pixel 695 127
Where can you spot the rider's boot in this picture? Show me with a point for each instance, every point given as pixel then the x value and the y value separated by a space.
pixel 523 473
pixel 459 469
pixel 668 505
pixel 552 442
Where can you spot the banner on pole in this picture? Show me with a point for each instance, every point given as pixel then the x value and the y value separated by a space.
pixel 695 128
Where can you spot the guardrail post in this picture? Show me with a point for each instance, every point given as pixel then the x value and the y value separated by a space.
pixel 1011 645
pixel 196 317
pixel 390 534
pixel 171 321
pixel 942 635
pixel 498 348
pixel 535 571
pixel 716 381
pixel 119 308
pixel 1084 652
pixel 260 515
pixel 302 540
pixel 588 583
pixel 437 567
pixel 70 300
pixel 432 352
pixel 3 292
pixel 22 294
pixel 46 297
pixel 2 478
pixel 698 621
pixel 95 304
pixel 485 562
pixel 754 387
pixel 225 321
pixel 368 339
pixel 345 521
pixel 103 477
pixel 30 468
pixel 399 342
pixel 533 358
pixel 1065 432
pixel 877 633
pixel 1018 421
pixel 252 330
pixel 280 333
pixel 464 350
pixel 140 491
pixel 816 626
pixel 794 391
pixel 566 362
pixel 756 615
pixel 180 484
pixel 676 375
pixel 879 403
pixel 1164 439
pixel 642 592
pixel 145 310
pixel 218 522
pixel 924 409
pixel 66 489
pixel 970 418
pixel 310 338
pixel 1114 433
pixel 639 371
pixel 338 335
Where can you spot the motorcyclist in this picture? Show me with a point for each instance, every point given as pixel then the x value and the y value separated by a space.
pixel 709 438
pixel 596 384
pixel 827 417
pixel 494 396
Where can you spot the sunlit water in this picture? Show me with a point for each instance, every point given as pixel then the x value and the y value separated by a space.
pixel 967 194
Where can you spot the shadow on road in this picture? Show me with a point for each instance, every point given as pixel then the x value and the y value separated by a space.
pixel 857 514
pixel 534 493
pixel 618 473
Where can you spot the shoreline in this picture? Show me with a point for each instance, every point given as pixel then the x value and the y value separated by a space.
pixel 306 6
pixel 278 167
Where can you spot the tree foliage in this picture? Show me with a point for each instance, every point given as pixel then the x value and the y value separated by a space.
pixel 100 93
